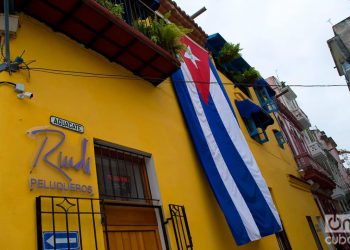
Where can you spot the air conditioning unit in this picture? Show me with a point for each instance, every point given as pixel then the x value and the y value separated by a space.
pixel 13 24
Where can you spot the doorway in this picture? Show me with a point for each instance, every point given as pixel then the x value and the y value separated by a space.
pixel 133 218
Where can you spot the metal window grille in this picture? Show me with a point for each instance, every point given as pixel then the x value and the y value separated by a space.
pixel 180 226
pixel 122 175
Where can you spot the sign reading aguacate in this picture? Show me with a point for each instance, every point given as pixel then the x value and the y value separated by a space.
pixel 53 158
pixel 66 124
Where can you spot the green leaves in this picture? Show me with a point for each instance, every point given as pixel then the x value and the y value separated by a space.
pixel 229 52
pixel 249 76
pixel 115 9
pixel 163 33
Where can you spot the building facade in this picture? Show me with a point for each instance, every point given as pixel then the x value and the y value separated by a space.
pixel 339 46
pixel 316 154
pixel 100 157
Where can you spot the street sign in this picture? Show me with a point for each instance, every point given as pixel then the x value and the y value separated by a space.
pixel 66 124
pixel 62 239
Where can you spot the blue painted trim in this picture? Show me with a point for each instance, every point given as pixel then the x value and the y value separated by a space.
pixel 254 132
pixel 280 139
pixel 269 104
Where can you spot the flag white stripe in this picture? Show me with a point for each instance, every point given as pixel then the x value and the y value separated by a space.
pixel 230 185
pixel 237 138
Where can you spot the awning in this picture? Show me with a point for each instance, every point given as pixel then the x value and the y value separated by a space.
pixel 263 83
pixel 247 109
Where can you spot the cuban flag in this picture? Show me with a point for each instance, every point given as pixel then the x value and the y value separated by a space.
pixel 224 154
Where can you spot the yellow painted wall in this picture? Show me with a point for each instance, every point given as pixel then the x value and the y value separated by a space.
pixel 131 113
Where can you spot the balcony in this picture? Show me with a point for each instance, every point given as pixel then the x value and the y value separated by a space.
pixel 317 151
pixel 290 95
pixel 94 26
pixel 313 171
pixel 302 118
pixel 283 109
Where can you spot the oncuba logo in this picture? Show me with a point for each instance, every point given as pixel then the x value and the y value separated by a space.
pixel 62 162
pixel 337 223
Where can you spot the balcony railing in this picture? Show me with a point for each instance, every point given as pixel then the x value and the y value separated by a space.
pixel 305 160
pixel 290 95
pixel 312 170
pixel 317 151
pixel 302 118
pixel 114 36
pixel 282 108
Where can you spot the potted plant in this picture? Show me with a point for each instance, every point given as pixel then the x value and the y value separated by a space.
pixel 165 34
pixel 249 76
pixel 229 52
pixel 115 9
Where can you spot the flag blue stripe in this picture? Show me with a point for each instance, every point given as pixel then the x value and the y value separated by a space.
pixel 250 191
pixel 212 68
pixel 231 214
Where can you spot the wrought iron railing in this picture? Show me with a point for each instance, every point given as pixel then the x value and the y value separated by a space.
pixel 134 10
pixel 140 16
pixel 180 225
pixel 76 223
pixel 67 222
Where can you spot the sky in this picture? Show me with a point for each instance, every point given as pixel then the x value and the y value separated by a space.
pixel 288 39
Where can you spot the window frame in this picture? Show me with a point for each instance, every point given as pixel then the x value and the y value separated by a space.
pixel 269 104
pixel 103 173
pixel 253 130
pixel 281 140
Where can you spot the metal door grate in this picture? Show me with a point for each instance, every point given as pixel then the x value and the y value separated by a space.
pixel 180 226
pixel 85 217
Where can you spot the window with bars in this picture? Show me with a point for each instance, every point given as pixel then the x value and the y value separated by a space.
pixel 122 175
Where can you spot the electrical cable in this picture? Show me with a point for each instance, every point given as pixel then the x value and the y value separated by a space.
pixel 128 77
pixel 10 83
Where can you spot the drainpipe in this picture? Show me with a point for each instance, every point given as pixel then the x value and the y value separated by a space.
pixel 197 13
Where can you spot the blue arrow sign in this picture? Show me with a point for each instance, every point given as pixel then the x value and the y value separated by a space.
pixel 62 239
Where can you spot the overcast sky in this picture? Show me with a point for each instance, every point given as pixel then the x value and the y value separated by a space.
pixel 288 37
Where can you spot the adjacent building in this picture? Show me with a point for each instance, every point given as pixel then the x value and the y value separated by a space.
pixel 339 46
pixel 315 153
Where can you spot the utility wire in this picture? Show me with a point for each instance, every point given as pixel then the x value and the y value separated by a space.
pixel 128 77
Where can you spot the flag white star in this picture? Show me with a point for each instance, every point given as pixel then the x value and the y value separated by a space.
pixel 188 54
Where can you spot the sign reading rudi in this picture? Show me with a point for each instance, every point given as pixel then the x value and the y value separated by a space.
pixel 66 124
pixel 52 156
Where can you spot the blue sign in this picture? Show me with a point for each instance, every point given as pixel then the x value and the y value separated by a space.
pixel 61 239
